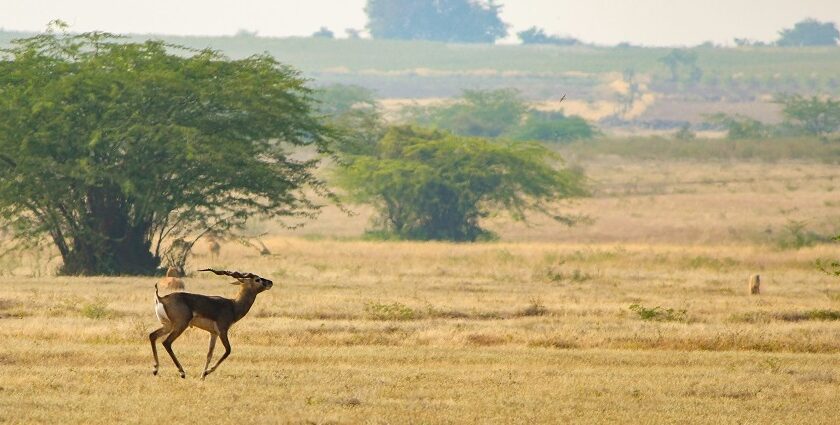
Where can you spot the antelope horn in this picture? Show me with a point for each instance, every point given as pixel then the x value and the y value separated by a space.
pixel 234 274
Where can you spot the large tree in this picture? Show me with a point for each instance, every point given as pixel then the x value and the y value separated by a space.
pixel 464 21
pixel 810 32
pixel 432 185
pixel 113 151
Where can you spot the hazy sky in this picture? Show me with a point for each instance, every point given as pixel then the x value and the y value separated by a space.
pixel 649 22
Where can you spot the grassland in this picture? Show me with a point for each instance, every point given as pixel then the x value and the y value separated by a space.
pixel 641 316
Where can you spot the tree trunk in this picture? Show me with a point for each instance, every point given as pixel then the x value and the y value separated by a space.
pixel 109 243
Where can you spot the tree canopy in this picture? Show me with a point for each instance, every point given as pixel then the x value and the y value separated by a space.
pixel 809 32
pixel 115 150
pixel 500 113
pixel 814 116
pixel 462 21
pixel 432 185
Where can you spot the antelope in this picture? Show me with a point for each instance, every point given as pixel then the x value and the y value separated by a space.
pixel 172 280
pixel 216 315
pixel 214 248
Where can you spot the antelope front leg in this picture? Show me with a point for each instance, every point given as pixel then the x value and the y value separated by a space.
pixel 226 344
pixel 209 355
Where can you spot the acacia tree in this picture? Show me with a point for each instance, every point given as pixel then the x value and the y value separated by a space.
pixel 464 21
pixel 814 116
pixel 809 32
pixel 113 150
pixel 432 185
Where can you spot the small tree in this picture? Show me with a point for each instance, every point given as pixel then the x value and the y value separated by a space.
pixel 740 126
pixel 466 21
pixel 536 35
pixel 485 113
pixel 552 127
pixel 432 185
pixel 809 32
pixel 115 150
pixel 678 59
pixel 812 115
pixel 323 32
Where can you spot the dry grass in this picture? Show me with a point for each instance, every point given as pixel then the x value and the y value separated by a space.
pixel 538 330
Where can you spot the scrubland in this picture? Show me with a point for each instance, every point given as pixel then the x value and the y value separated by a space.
pixel 639 314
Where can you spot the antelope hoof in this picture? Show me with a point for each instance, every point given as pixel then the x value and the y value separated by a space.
pixel 155 371
pixel 183 375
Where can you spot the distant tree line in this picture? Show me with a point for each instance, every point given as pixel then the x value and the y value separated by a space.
pixel 810 116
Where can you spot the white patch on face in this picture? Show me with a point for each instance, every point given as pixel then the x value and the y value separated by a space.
pixel 161 313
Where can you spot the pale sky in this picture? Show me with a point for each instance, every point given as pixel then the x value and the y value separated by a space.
pixel 649 22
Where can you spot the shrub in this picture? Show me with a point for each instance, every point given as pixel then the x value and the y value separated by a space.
pixel 393 311
pixel 658 313
pixel 552 127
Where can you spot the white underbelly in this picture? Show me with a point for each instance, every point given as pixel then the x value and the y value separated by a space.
pixel 161 313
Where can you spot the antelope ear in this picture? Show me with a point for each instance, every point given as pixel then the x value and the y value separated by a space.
pixel 235 282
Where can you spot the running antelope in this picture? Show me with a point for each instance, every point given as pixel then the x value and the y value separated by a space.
pixel 216 315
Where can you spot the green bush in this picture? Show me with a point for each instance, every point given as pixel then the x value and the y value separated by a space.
pixel 552 127
pixel 658 313
pixel 432 185
pixel 393 311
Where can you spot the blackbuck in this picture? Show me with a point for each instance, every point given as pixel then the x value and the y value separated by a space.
pixel 216 315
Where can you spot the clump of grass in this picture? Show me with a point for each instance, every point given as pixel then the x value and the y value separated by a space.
pixel 535 308
pixel 98 309
pixel 558 342
pixel 393 311
pixel 788 316
pixel 484 339
pixel 706 262
pixel 825 315
pixel 658 314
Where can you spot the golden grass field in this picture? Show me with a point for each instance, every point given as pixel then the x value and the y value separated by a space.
pixel 536 328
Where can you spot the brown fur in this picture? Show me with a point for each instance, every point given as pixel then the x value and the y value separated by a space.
pixel 172 281
pixel 214 248
pixel 213 314
pixel 755 284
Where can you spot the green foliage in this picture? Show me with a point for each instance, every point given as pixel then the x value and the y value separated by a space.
pixel 809 32
pixel 685 133
pixel 658 314
pixel 466 21
pixel 501 113
pixel 536 35
pixel 484 113
pixel 432 185
pixel 353 113
pixel 393 311
pixel 831 268
pixel 323 32
pixel 112 149
pixel 811 115
pixel 796 236
pixel 551 127
pixel 337 99
pixel 681 59
pixel 98 309
pixel 740 126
